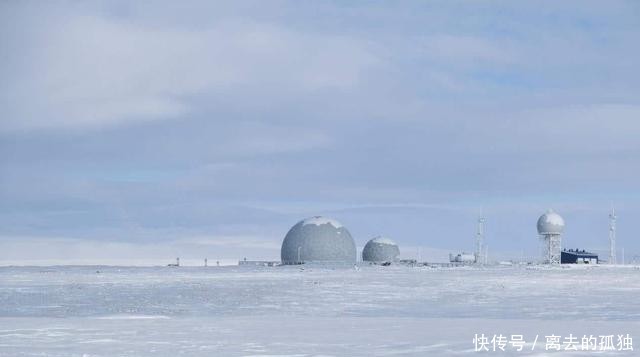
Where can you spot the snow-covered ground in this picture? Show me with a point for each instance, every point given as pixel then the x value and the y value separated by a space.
pixel 310 311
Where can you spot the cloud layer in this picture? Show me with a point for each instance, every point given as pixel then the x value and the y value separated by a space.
pixel 136 124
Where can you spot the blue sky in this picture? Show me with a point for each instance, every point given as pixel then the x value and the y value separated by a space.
pixel 149 130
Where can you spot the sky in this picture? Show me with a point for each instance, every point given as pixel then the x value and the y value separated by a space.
pixel 136 132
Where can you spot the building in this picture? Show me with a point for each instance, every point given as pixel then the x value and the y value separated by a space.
pixel 578 257
pixel 318 240
pixel 410 262
pixel 262 263
pixel 465 258
pixel 380 250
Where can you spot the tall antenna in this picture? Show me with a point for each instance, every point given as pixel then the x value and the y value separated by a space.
pixel 480 240
pixel 486 254
pixel 612 236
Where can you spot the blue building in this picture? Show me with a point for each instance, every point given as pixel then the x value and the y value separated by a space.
pixel 578 256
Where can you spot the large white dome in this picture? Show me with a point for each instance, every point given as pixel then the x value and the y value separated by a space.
pixel 318 239
pixel 550 223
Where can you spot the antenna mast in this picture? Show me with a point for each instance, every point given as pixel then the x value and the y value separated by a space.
pixel 480 239
pixel 612 236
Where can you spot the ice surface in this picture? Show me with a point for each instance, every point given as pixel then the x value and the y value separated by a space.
pixel 319 220
pixel 302 310
pixel 383 240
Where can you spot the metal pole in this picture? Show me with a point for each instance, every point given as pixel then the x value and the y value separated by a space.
pixel 612 236
pixel 479 239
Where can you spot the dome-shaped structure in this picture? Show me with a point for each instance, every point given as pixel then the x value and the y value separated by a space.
pixel 318 239
pixel 550 223
pixel 380 250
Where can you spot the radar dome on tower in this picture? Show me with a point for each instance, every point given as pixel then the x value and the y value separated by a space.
pixel 550 223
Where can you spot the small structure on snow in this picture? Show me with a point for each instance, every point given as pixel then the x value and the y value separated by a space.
pixel 578 257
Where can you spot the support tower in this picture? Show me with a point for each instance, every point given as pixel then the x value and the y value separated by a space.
pixel 550 229
pixel 612 237
pixel 480 240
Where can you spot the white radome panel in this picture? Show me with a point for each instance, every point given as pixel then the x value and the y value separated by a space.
pixel 550 223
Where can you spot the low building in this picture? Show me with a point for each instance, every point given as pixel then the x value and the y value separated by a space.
pixel 410 262
pixel 463 257
pixel 263 263
pixel 578 256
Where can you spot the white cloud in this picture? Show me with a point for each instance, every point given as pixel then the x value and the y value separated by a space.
pixel 405 107
pixel 577 128
pixel 467 49
pixel 87 71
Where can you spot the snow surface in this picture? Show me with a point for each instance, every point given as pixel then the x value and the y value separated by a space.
pixel 305 310
pixel 319 220
pixel 383 240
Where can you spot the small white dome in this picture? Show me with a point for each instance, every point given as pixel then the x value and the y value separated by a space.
pixel 550 223
pixel 379 250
